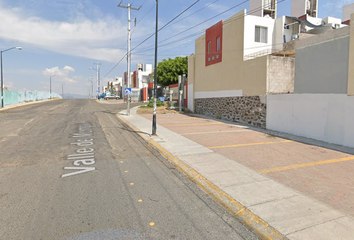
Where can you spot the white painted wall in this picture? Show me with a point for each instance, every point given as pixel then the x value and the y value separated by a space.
pixel 250 46
pixel 298 8
pixel 347 10
pixel 190 98
pixel 216 94
pixel 324 117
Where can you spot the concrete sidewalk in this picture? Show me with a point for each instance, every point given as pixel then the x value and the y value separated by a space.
pixel 271 209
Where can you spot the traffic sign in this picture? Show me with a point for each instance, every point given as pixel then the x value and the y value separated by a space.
pixel 128 91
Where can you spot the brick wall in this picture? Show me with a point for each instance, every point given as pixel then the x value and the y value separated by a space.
pixel 250 110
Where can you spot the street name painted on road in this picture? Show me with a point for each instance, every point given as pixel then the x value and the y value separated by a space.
pixel 83 156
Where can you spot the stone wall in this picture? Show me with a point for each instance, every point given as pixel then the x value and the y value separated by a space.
pixel 280 75
pixel 250 110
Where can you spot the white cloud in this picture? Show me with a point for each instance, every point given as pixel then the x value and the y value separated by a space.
pixel 81 37
pixel 9 85
pixel 69 69
pixel 62 74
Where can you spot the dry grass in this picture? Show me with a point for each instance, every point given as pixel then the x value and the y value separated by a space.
pixel 159 110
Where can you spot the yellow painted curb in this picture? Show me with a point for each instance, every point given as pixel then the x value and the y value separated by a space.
pixel 261 228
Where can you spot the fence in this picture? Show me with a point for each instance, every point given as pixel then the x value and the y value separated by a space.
pixel 12 97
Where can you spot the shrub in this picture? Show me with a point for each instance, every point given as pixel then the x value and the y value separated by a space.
pixel 151 104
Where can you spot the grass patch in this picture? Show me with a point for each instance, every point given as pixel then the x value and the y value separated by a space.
pixel 151 104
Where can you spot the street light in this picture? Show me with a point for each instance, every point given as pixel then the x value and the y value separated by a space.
pixel 50 81
pixel 98 76
pixel 2 76
pixel 62 90
pixel 91 86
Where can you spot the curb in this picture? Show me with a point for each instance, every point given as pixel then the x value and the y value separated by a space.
pixel 25 104
pixel 258 226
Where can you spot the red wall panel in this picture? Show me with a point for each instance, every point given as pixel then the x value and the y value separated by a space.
pixel 212 54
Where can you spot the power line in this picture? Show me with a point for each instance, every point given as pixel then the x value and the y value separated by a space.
pixel 179 15
pixel 147 12
pixel 234 19
pixel 196 12
pixel 116 65
pixel 165 25
pixel 193 26
pixel 189 36
pixel 154 33
pixel 207 20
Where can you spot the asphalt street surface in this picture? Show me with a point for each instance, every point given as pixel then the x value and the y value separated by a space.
pixel 70 169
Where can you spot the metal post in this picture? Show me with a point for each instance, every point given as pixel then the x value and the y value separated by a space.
pixel 91 86
pixel 128 53
pixel 2 85
pixel 128 61
pixel 155 73
pixel 179 94
pixel 183 83
pixel 50 86
pixel 62 90
pixel 2 75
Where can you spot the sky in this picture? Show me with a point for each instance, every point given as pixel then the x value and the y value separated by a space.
pixel 65 38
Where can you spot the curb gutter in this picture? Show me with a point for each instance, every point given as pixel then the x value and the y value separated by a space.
pixel 261 228
pixel 25 104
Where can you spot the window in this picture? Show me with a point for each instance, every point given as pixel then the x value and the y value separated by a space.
pixel 218 44
pixel 261 34
pixel 209 47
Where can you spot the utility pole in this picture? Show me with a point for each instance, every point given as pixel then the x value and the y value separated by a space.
pixel 128 53
pixel 98 77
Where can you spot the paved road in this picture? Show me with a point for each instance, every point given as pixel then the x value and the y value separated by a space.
pixel 69 169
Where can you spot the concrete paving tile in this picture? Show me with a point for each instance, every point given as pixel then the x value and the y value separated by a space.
pixel 234 171
pixel 341 228
pixel 204 157
pixel 294 214
pixel 259 192
pixel 210 162
pixel 222 171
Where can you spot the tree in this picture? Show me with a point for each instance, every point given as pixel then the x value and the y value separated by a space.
pixel 168 70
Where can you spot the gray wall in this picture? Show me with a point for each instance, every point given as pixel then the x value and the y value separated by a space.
pixel 322 68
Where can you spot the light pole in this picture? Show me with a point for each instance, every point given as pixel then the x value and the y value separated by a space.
pixel 155 74
pixel 2 76
pixel 62 90
pixel 50 85
pixel 98 76
pixel 91 86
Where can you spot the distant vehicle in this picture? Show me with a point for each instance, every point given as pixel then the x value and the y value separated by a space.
pixel 102 95
pixel 111 97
